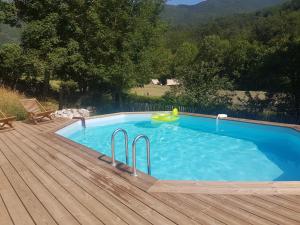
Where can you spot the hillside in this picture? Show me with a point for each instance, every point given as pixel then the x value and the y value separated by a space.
pixel 181 14
pixel 209 9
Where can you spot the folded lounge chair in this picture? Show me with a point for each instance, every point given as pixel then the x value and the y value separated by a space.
pixel 36 112
pixel 5 120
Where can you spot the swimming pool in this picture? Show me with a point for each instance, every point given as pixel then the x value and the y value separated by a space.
pixel 197 148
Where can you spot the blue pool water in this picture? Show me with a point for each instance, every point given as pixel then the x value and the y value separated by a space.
pixel 195 148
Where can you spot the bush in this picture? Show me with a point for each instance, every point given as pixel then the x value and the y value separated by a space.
pixel 10 105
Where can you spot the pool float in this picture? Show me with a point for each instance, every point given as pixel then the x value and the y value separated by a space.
pixel 166 117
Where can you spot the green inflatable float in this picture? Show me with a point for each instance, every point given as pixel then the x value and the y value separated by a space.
pixel 166 117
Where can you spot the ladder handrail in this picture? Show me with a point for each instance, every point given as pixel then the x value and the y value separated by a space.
pixel 134 171
pixel 82 119
pixel 113 162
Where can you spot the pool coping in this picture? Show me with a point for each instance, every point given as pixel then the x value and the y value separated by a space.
pixel 151 184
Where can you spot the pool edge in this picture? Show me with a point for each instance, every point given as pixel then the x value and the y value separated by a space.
pixel 153 185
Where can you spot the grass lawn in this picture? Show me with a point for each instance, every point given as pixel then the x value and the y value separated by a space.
pixel 150 90
pixel 237 96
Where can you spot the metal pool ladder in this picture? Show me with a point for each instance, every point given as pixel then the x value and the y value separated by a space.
pixel 134 170
pixel 134 173
pixel 113 145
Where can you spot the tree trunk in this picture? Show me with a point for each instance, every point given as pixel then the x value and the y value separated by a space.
pixel 117 97
pixel 46 83
pixel 120 100
pixel 61 99
pixel 14 84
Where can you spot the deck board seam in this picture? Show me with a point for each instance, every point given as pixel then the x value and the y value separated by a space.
pixel 267 200
pixel 254 213
pixel 208 209
pixel 287 199
pixel 225 210
pixel 281 212
pixel 266 210
pixel 273 207
pixel 201 219
pixel 243 209
pixel 8 212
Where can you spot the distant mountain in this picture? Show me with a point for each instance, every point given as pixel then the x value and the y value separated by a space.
pixel 210 9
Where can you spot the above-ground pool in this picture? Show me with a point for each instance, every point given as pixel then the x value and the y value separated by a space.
pixel 197 148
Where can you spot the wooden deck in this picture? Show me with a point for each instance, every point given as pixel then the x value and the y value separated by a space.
pixel 45 179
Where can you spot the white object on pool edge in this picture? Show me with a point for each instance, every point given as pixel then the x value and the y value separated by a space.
pixel 222 116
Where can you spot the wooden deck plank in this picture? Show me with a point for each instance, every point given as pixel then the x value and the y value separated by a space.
pixel 286 214
pixel 269 215
pixel 291 198
pixel 16 209
pixel 4 215
pixel 232 209
pixel 37 211
pixel 194 211
pixel 212 211
pixel 284 203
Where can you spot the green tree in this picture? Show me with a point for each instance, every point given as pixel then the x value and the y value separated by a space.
pixel 201 85
pixel 243 62
pixel 40 39
pixel 282 72
pixel 203 74
pixel 11 64
pixel 8 13
pixel 184 57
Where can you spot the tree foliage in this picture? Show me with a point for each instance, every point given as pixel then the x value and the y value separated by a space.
pixel 101 45
pixel 11 64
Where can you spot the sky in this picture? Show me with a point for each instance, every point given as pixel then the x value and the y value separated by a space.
pixel 184 2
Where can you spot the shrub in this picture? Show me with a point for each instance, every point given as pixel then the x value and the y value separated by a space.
pixel 9 103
